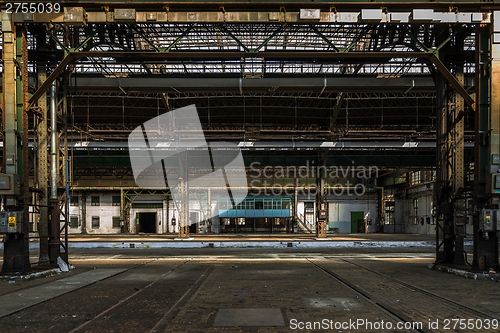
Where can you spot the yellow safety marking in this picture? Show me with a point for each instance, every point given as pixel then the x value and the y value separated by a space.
pixel 12 221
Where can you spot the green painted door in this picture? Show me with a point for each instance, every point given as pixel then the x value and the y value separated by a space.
pixel 356 219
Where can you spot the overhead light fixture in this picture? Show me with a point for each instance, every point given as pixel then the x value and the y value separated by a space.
pixel 310 14
pixel 163 144
pixel 410 144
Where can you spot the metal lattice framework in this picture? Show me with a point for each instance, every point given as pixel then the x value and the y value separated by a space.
pixel 251 38
pixel 279 106
pixel 240 52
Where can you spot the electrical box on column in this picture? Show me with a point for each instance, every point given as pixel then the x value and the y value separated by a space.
pixel 11 221
pixel 489 219
pixel 493 176
pixel 9 184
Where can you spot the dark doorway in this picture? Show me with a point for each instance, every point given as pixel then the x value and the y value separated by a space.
pixel 309 213
pixel 263 225
pixel 147 222
pixel 193 222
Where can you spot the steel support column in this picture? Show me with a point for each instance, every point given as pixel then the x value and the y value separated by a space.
pixel 295 214
pixel 63 172
pixel 122 212
pixel 42 174
pixel 54 242
pixel 183 208
pixel 167 214
pixel 209 211
pixel 450 179
pixel 458 169
pixel 84 213
pixel 446 233
pixel 23 147
pixel 487 143
pixel 183 194
pixel 380 211
pixel 14 82
pixel 321 204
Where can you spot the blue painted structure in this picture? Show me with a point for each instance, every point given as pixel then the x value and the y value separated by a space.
pixel 255 207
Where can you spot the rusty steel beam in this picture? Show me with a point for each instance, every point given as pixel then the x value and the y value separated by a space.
pixel 236 55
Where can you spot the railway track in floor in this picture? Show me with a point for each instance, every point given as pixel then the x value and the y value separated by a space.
pixel 21 290
pixel 116 312
pixel 130 301
pixel 420 310
pixel 172 295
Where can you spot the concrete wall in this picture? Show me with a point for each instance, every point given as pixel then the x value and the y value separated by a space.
pixel 76 211
pixel 105 211
pixel 405 214
pixel 340 208
pixel 339 214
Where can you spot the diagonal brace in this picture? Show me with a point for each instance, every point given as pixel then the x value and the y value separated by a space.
pixel 451 79
pixel 323 37
pixel 264 43
pixel 51 78
pixel 185 33
pixel 230 34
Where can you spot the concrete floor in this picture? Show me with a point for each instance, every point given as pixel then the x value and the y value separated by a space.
pixel 250 290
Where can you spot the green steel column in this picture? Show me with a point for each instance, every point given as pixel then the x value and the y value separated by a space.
pixel 9 80
pixel 16 246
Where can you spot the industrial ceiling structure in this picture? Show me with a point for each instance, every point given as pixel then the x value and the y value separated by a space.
pixel 394 84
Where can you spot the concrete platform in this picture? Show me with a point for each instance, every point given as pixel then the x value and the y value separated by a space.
pixel 253 290
pixel 249 240
pixel 14 302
